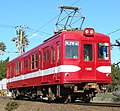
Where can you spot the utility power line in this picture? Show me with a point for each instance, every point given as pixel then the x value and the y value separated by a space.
pixel 7 26
pixel 38 30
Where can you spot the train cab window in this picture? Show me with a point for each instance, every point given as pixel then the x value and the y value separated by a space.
pixel 87 52
pixel 103 51
pixel 71 50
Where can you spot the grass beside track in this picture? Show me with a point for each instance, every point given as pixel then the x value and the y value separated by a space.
pixel 107 97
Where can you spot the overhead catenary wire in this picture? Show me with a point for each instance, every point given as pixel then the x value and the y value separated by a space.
pixel 46 33
pixel 75 2
pixel 116 40
pixel 113 32
pixel 38 30
pixel 52 20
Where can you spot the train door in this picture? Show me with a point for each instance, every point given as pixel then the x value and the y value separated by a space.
pixel 46 64
pixel 41 64
pixel 88 61
pixel 52 63
pixel 57 62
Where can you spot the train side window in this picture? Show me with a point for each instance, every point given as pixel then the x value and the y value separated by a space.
pixel 52 54
pixel 14 69
pixel 40 59
pixel 71 49
pixel 24 64
pixel 45 56
pixel 29 63
pixel 58 52
pixel 36 60
pixel 8 71
pixel 103 51
pixel 33 59
pixel 18 67
pixel 87 52
pixel 48 55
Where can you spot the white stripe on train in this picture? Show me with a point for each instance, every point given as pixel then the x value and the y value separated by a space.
pixel 104 69
pixel 53 70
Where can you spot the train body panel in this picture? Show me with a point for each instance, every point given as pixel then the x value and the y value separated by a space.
pixel 75 58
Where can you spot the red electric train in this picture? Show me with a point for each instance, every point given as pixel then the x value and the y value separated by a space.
pixel 71 65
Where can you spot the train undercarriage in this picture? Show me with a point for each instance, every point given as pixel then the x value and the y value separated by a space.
pixel 64 93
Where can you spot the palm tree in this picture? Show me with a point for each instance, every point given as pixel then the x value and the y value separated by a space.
pixel 2 47
pixel 21 40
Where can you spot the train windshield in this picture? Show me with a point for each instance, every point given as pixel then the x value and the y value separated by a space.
pixel 103 51
pixel 71 50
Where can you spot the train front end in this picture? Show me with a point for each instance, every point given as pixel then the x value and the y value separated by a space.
pixel 86 61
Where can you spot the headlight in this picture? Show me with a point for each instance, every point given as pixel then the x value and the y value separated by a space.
pixel 67 74
pixel 108 75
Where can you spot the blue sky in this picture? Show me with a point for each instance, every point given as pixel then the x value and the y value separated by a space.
pixel 102 15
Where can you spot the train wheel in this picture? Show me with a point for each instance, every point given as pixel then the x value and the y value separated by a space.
pixel 58 100
pixel 14 95
pixel 66 99
pixel 51 99
pixel 73 98
pixel 86 99
pixel 51 95
pixel 63 99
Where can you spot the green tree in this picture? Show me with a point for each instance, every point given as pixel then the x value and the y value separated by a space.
pixel 3 68
pixel 2 47
pixel 115 78
pixel 21 40
pixel 115 74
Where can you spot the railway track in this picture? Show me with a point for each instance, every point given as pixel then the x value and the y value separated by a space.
pixel 103 104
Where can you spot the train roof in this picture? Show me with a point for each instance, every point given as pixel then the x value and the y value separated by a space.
pixel 76 32
pixel 63 32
